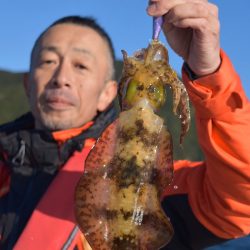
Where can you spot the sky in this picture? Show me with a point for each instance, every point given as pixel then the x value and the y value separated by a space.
pixel 126 21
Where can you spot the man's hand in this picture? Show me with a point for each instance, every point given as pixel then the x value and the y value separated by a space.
pixel 192 30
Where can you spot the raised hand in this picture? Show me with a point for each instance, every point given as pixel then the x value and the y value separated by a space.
pixel 192 29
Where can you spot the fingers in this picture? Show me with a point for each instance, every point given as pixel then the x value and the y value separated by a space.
pixel 161 7
pixel 190 10
pixel 195 15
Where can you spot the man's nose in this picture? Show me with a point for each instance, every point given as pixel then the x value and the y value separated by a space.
pixel 62 76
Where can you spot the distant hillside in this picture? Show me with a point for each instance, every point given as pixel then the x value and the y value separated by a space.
pixel 13 103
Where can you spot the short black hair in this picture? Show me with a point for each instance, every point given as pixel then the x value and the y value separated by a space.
pixel 84 22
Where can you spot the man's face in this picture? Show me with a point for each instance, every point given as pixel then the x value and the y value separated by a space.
pixel 68 78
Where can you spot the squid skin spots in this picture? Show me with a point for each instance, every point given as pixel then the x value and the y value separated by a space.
pixel 117 200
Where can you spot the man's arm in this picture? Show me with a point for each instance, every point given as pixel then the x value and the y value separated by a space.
pixel 218 190
pixel 219 193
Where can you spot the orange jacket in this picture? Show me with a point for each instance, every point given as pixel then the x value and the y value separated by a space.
pixel 219 188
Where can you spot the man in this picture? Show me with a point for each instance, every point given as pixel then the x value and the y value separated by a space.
pixel 70 81
pixel 70 91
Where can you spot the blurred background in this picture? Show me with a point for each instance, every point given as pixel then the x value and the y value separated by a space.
pixel 129 27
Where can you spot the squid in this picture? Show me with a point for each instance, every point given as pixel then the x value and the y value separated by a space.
pixel 118 197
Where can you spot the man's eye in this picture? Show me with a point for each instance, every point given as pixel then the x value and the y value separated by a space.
pixel 47 62
pixel 80 66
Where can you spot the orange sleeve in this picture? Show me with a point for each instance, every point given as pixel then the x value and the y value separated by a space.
pixel 219 190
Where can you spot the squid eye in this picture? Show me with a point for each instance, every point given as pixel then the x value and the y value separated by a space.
pixel 132 89
pixel 156 94
pixel 152 89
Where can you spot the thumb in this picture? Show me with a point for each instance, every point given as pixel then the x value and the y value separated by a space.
pixel 153 7
pixel 158 7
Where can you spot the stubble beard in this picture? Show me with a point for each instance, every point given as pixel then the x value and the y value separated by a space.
pixel 51 123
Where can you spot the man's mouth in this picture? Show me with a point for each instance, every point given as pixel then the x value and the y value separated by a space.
pixel 58 103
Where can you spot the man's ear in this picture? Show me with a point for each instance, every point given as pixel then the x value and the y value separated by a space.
pixel 26 83
pixel 107 95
